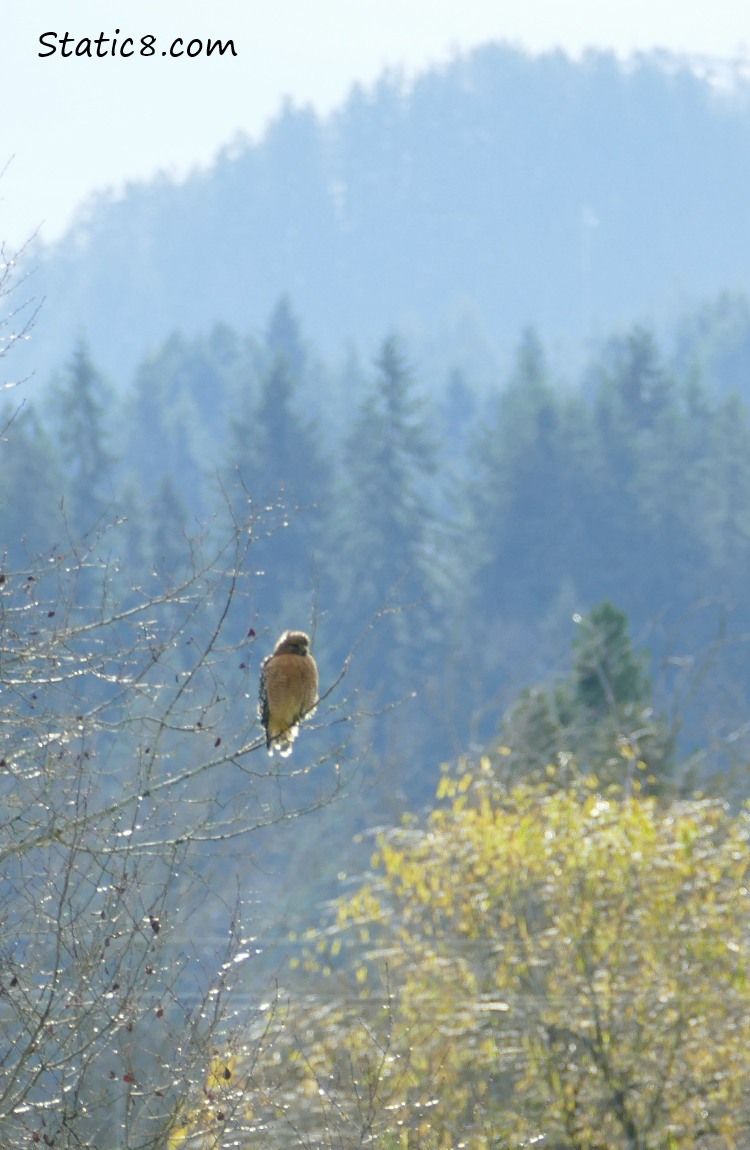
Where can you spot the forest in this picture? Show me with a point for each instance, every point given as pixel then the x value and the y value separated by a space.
pixel 543 586
pixel 498 895
pixel 496 191
pixel 423 514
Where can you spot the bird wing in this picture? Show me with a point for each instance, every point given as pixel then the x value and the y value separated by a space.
pixel 264 711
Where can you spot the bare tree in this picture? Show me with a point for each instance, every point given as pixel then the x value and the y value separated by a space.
pixel 131 767
pixel 18 306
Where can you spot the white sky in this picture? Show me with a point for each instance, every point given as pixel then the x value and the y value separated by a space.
pixel 76 125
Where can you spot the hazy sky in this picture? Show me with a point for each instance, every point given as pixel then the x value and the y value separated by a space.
pixel 76 125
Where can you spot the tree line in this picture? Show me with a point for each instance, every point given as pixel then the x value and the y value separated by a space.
pixel 417 518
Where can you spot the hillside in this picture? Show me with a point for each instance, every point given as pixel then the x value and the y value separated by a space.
pixel 496 191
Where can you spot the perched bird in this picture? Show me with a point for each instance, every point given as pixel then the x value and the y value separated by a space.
pixel 288 690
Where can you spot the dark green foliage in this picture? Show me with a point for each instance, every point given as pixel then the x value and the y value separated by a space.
pixel 601 718
pixel 606 671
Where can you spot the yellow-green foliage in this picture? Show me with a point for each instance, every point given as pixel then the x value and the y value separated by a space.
pixel 529 963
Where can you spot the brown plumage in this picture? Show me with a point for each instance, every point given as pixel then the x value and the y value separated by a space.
pixel 288 690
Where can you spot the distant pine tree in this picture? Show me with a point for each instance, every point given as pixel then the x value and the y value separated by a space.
pixel 600 718
pixel 81 405
pixel 275 462
pixel 386 556
pixel 606 671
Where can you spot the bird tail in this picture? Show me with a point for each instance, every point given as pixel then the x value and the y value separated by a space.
pixel 283 742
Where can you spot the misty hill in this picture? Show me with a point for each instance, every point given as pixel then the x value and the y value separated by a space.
pixel 492 192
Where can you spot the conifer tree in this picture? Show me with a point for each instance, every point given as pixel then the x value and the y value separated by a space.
pixel 176 416
pixel 386 556
pixel 606 671
pixel 82 405
pixel 601 717
pixel 276 462
pixel 533 491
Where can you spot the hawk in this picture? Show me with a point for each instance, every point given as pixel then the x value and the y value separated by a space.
pixel 288 690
